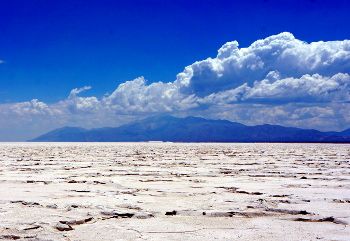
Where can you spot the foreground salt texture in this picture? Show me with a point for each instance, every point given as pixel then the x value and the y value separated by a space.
pixel 166 191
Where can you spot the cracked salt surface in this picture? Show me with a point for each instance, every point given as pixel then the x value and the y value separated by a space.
pixel 168 191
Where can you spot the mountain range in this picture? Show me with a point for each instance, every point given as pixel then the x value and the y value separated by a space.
pixel 192 129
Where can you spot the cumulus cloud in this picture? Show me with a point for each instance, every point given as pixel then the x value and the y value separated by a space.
pixel 277 80
pixel 306 89
pixel 282 53
pixel 137 97
pixel 33 107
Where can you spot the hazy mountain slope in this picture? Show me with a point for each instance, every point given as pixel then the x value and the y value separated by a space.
pixel 194 129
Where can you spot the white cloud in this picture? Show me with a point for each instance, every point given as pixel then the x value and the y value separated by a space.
pixel 277 80
pixel 33 107
pixel 137 97
pixel 282 53
pixel 308 88
pixel 76 91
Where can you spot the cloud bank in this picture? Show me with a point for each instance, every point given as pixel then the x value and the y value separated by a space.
pixel 276 80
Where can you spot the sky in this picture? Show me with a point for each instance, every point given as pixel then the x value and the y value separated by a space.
pixel 105 63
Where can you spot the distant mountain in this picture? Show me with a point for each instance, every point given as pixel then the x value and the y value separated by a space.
pixel 69 134
pixel 345 132
pixel 192 129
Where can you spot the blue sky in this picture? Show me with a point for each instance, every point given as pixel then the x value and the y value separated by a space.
pixel 59 45
pixel 49 48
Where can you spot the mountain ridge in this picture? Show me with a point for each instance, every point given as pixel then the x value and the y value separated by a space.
pixel 192 129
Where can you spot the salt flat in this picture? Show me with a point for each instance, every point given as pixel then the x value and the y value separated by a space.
pixel 167 191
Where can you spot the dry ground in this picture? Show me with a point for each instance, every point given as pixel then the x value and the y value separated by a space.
pixel 166 191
